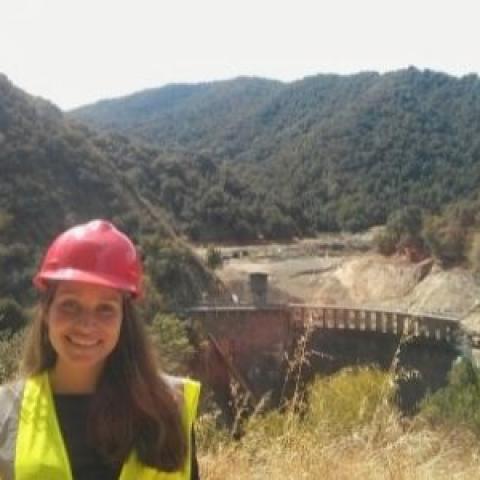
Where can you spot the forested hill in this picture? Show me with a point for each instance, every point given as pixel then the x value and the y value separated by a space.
pixel 55 174
pixel 188 116
pixel 334 151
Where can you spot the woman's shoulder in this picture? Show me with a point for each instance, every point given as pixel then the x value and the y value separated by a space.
pixel 173 381
pixel 13 389
pixel 179 384
pixel 185 391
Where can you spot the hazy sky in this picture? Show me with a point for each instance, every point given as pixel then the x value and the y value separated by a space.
pixel 74 52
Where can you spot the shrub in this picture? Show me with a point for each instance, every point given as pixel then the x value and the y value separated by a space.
pixel 278 224
pixel 170 337
pixel 152 300
pixel 348 400
pixel 12 317
pixel 386 242
pixel 459 402
pixel 446 239
pixel 406 221
pixel 214 258
pixel 16 264
pixel 403 232
pixel 336 405
pixel 174 272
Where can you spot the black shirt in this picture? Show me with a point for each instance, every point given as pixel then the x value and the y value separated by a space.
pixel 85 462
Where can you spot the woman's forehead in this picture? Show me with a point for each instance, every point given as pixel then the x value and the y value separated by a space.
pixel 88 290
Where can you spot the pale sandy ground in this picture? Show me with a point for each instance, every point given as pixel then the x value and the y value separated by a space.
pixel 311 272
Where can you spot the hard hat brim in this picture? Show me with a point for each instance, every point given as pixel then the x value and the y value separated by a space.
pixel 42 280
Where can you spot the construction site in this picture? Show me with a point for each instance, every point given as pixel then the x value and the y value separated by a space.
pixel 254 346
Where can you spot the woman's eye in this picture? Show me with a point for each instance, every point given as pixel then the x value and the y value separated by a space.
pixel 70 307
pixel 106 310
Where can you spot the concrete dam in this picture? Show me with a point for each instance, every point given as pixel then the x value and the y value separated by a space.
pixel 252 345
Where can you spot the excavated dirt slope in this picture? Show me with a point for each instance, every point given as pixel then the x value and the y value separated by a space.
pixel 358 278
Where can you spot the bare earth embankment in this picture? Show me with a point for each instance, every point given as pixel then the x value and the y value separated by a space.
pixel 343 270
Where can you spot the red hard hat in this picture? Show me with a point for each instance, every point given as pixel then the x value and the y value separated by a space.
pixel 95 252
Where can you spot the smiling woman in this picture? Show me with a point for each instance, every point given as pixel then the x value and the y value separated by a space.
pixel 83 324
pixel 91 403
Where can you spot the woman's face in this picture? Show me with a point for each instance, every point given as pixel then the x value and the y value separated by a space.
pixel 84 323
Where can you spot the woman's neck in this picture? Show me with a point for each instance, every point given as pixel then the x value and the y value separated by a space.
pixel 65 379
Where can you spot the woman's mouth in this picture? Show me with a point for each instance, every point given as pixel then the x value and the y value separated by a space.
pixel 82 342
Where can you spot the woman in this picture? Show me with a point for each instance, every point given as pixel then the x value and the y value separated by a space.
pixel 91 404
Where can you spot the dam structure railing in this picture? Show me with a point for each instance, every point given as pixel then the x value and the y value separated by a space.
pixel 333 317
pixel 346 318
pixel 434 327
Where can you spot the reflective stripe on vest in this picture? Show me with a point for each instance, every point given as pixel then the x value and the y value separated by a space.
pixel 10 400
pixel 31 444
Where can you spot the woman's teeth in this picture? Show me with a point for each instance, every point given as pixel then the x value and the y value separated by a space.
pixel 82 342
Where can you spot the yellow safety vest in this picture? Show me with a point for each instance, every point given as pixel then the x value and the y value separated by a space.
pixel 31 443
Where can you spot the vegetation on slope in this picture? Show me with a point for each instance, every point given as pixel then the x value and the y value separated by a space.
pixel 185 116
pixel 204 200
pixel 54 175
pixel 451 236
pixel 338 152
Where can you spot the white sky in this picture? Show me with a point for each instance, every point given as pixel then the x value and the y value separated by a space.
pixel 74 52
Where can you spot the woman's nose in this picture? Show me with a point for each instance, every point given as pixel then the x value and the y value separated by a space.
pixel 87 318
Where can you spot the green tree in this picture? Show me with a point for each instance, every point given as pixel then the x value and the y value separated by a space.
pixel 459 402
pixel 403 231
pixel 386 242
pixel 278 224
pixel 12 316
pixel 169 335
pixel 446 238
pixel 214 258
pixel 407 221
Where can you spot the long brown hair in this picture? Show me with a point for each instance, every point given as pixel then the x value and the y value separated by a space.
pixel 132 406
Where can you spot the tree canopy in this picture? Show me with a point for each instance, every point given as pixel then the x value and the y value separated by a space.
pixel 327 152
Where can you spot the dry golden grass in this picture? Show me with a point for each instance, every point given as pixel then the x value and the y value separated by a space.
pixel 348 431
pixel 381 452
